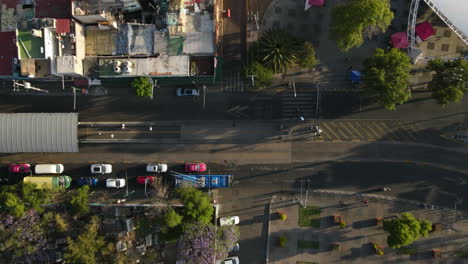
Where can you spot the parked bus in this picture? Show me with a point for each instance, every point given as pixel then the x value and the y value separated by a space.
pixel 49 182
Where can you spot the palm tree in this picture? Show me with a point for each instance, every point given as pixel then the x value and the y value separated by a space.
pixel 277 50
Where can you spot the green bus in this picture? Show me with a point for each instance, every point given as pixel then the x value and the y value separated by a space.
pixel 50 182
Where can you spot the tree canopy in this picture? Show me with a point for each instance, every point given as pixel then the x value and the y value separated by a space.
pixel 405 229
pixel 197 205
pixel 143 86
pixel 386 77
pixel 172 218
pixel 89 247
pixel 202 243
pixel 349 21
pixel 18 198
pixel 79 201
pixel 277 50
pixel 450 81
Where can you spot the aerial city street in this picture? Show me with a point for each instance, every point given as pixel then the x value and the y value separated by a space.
pixel 233 131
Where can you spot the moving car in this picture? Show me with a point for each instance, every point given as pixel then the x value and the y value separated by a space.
pixel 90 181
pixel 229 220
pixel 187 92
pixel 115 183
pixel 159 167
pixel 230 260
pixel 48 168
pixel 142 179
pixel 19 168
pixel 101 168
pixel 195 167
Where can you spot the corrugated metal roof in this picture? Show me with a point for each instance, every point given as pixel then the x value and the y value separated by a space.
pixel 39 132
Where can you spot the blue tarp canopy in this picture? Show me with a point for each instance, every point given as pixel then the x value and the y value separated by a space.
pixel 355 76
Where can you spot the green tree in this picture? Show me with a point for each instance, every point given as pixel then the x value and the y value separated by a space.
pixel 172 218
pixel 450 81
pixel 405 229
pixel 79 201
pixel 60 223
pixel 14 205
pixel 18 198
pixel 386 77
pixel 89 247
pixel 263 76
pixel 277 50
pixel 350 21
pixel 143 86
pixel 197 206
pixel 306 55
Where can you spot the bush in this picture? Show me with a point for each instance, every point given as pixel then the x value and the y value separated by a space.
pixel 378 250
pixel 263 76
pixel 282 241
pixel 342 223
pixel 306 55
pixel 282 216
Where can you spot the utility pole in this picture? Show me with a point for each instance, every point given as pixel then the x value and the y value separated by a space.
pixel 204 96
pixel 74 99
pixel 294 86
pixel 126 181
pixel 317 105
pixel 302 180
pixel 307 193
pixel 146 182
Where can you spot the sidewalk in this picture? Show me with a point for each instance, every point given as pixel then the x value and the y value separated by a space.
pixel 361 230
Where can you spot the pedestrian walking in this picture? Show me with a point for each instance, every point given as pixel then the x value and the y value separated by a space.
pixel 366 203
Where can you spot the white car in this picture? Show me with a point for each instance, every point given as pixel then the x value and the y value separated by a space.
pixel 115 183
pixel 229 220
pixel 156 167
pixel 101 168
pixel 187 92
pixel 230 260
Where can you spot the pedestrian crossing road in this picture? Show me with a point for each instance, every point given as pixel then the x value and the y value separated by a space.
pixel 371 130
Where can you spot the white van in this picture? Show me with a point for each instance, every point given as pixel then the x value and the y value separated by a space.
pixel 48 168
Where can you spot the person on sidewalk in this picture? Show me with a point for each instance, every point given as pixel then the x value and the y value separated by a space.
pixel 366 203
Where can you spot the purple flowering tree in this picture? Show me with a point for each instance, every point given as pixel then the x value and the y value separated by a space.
pixel 22 238
pixel 203 243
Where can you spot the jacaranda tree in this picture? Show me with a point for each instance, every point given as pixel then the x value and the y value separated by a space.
pixel 203 243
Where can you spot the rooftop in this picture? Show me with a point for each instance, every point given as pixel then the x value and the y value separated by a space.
pixel 160 66
pixel 39 132
pixel 53 9
pixel 455 12
pixel 7 53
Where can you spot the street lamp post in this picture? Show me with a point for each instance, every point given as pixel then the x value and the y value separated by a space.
pixel 294 86
pixel 317 105
pixel 204 96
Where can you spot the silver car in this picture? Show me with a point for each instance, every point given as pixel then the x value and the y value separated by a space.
pixel 101 168
pixel 156 167
pixel 187 92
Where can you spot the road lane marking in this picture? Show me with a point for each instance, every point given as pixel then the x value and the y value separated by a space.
pixel 330 130
pixel 355 130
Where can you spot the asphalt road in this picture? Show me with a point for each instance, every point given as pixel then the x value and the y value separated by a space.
pixel 256 184
pixel 167 106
